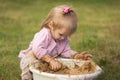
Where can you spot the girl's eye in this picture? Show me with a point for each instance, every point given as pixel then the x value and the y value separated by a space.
pixel 61 34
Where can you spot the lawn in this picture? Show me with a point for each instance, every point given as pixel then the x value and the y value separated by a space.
pixel 98 32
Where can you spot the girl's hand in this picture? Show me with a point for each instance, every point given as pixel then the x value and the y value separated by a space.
pixel 55 65
pixel 83 56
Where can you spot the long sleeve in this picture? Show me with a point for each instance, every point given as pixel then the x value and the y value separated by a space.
pixel 67 52
pixel 40 43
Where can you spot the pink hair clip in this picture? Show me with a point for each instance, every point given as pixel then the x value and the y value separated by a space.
pixel 66 10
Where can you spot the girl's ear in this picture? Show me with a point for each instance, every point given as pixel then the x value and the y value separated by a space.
pixel 50 24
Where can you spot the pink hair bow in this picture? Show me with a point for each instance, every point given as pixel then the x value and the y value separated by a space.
pixel 66 10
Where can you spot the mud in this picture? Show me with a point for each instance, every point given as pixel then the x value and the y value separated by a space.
pixel 86 68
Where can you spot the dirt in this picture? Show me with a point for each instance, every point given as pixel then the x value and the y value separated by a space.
pixel 86 68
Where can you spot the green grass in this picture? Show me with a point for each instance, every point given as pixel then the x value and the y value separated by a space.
pixel 98 32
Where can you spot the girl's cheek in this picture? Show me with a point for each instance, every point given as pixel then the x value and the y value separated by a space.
pixel 57 36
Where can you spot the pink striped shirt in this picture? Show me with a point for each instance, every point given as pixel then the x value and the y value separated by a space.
pixel 43 43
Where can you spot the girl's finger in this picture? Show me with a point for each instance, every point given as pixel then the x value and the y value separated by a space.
pixel 83 53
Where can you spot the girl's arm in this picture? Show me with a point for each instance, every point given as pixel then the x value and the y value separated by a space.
pixel 67 52
pixel 40 43
pixel 39 48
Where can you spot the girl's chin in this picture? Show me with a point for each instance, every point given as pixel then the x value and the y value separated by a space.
pixel 57 39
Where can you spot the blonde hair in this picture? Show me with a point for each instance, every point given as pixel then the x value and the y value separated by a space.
pixel 61 19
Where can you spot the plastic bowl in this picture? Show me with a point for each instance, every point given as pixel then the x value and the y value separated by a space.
pixel 38 75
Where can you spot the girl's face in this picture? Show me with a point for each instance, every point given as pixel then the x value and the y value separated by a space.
pixel 59 34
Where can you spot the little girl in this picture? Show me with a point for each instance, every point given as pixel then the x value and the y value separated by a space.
pixel 52 41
